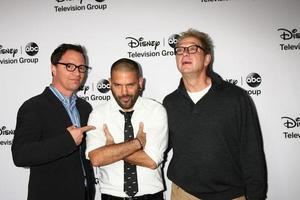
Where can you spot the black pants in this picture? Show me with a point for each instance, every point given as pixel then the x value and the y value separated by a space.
pixel 156 196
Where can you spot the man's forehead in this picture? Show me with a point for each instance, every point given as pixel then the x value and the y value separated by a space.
pixel 188 40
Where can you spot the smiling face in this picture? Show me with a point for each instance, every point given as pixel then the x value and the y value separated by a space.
pixel 192 64
pixel 64 81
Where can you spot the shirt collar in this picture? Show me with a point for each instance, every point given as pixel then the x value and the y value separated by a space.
pixel 65 100
pixel 215 78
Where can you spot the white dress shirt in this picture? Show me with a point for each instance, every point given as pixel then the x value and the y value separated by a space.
pixel 154 117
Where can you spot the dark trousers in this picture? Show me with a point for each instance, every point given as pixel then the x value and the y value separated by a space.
pixel 156 196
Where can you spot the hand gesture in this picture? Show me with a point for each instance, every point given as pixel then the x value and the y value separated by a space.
pixel 77 133
pixel 141 135
pixel 109 137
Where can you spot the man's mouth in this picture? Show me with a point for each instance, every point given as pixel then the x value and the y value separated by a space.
pixel 186 62
pixel 125 98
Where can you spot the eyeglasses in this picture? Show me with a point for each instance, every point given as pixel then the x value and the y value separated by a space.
pixel 71 67
pixel 190 49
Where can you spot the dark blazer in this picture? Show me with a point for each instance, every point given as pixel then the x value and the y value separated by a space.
pixel 42 142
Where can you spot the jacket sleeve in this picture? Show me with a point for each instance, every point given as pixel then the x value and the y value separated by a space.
pixel 252 153
pixel 30 147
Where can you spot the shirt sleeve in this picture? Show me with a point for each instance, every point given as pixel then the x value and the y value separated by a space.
pixel 156 134
pixel 94 138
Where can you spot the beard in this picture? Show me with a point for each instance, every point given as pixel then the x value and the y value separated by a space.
pixel 126 102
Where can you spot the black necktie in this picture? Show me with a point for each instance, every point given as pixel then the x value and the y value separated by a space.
pixel 130 175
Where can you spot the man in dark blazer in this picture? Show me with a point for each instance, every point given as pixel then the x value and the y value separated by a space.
pixel 50 133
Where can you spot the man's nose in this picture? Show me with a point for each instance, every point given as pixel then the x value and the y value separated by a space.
pixel 124 90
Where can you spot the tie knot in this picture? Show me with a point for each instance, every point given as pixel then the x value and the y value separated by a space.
pixel 127 115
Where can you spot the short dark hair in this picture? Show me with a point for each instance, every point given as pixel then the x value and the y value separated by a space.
pixel 126 64
pixel 61 50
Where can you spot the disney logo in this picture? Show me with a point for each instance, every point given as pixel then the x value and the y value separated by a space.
pixel 84 88
pixel 287 35
pixel 3 131
pixel 59 1
pixel 8 51
pixel 140 42
pixel 291 123
pixel 232 81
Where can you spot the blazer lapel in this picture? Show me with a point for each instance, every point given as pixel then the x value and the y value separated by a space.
pixel 58 107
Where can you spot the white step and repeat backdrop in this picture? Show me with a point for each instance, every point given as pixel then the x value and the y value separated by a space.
pixel 257 47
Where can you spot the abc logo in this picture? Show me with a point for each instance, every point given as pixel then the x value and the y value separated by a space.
pixel 173 40
pixel 253 80
pixel 31 49
pixel 103 86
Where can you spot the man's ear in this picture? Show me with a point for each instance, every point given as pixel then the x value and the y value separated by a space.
pixel 141 83
pixel 53 70
pixel 207 60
